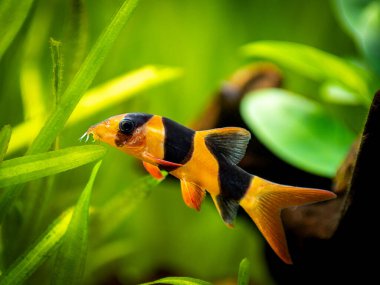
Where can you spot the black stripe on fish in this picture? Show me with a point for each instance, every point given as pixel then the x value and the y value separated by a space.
pixel 233 183
pixel 179 143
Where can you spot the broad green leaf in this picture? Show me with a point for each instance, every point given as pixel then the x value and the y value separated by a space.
pixel 337 93
pixel 106 95
pixel 243 277
pixel 82 80
pixel 5 136
pixel 30 167
pixel 313 63
pixel 362 19
pixel 298 130
pixel 38 253
pixel 12 16
pixel 179 281
pixel 71 256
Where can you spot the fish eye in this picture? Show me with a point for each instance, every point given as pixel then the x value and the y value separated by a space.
pixel 126 126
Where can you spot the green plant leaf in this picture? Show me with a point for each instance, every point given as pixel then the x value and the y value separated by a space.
pixel 109 221
pixel 107 253
pixel 125 201
pixel 82 80
pixel 57 61
pixel 179 281
pixel 298 130
pixel 5 136
pixel 362 19
pixel 335 92
pixel 106 95
pixel 12 16
pixel 71 256
pixel 27 263
pixel 313 63
pixel 30 167
pixel 33 79
pixel 243 277
pixel 121 88
pixel 75 37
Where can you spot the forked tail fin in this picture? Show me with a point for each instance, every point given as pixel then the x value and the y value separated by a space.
pixel 264 201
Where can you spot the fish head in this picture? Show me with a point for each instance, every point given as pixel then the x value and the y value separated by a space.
pixel 126 132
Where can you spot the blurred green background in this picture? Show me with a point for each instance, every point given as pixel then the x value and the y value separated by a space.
pixel 160 236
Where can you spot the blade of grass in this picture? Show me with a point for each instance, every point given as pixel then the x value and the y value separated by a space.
pixel 57 60
pixel 105 254
pixel 125 202
pixel 71 256
pixel 5 136
pixel 42 250
pixel 74 92
pixel 26 168
pixel 18 227
pixel 35 202
pixel 33 80
pixel 12 16
pixel 110 221
pixel 179 281
pixel 76 37
pixel 106 95
pixel 243 276
pixel 82 80
pixel 33 86
pixel 118 89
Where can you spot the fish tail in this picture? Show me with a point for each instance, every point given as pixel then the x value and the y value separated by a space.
pixel 264 201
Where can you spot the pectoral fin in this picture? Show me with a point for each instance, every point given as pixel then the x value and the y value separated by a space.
pixel 153 170
pixel 192 195
pixel 161 161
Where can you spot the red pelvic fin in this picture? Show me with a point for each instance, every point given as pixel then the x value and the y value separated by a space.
pixel 192 195
pixel 153 170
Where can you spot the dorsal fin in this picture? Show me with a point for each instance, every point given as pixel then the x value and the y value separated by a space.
pixel 231 142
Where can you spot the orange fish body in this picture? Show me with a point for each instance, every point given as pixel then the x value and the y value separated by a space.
pixel 206 161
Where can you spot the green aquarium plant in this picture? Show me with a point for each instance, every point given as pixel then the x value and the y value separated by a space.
pixel 66 237
pixel 65 65
pixel 309 131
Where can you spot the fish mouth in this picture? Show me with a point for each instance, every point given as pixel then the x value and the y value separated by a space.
pixel 86 136
pixel 104 131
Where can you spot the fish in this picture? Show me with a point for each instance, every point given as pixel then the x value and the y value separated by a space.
pixel 206 161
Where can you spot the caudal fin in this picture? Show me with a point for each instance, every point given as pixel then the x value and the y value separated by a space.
pixel 264 201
